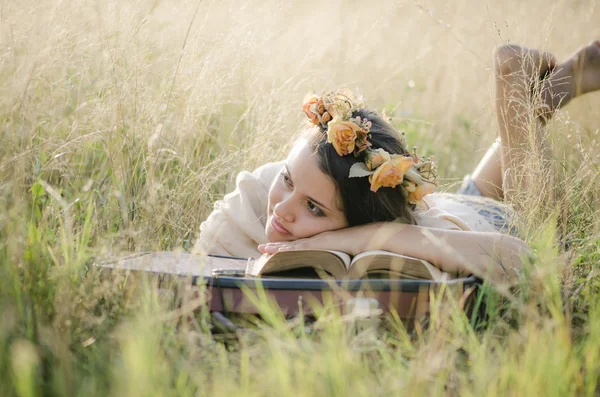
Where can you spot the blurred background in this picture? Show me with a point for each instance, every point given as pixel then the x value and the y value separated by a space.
pixel 169 100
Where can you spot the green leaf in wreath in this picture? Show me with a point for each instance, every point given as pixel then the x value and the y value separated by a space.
pixel 358 170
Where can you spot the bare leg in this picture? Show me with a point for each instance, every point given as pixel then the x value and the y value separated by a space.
pixel 487 176
pixel 524 103
pixel 516 70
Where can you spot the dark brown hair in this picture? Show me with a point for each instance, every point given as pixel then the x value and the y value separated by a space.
pixel 359 203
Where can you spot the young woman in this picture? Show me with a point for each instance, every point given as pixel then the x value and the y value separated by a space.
pixel 351 184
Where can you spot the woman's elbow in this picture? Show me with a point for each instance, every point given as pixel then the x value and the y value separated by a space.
pixel 512 252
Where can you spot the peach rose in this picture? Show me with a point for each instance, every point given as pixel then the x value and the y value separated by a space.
pixel 320 106
pixel 421 191
pixel 342 135
pixel 361 140
pixel 362 144
pixel 390 173
pixel 310 108
pixel 375 158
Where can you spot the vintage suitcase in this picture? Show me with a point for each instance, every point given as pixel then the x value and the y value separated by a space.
pixel 229 291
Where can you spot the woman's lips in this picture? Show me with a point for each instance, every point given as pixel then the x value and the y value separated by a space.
pixel 277 227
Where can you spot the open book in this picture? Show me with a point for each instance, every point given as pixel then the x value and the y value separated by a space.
pixel 339 265
pixel 293 264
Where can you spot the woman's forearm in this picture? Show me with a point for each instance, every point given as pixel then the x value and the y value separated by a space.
pixel 487 255
pixel 484 254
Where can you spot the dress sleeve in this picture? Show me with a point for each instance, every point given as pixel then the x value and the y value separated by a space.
pixel 237 224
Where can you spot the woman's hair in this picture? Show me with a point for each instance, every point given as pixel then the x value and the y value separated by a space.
pixel 361 205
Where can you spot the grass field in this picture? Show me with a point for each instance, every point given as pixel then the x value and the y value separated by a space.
pixel 123 121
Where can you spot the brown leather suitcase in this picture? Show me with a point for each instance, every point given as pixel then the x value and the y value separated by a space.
pixel 229 292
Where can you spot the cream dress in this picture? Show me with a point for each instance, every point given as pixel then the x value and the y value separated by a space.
pixel 237 224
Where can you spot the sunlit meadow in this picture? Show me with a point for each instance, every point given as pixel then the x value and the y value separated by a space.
pixel 122 122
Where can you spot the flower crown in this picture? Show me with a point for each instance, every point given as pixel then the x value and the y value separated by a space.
pixel 332 111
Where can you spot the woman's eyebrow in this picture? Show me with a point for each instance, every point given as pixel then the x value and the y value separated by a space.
pixel 310 198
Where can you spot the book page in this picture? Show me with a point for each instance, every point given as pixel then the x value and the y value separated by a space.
pixel 397 264
pixel 333 262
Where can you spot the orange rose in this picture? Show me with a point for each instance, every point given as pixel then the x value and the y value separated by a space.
pixel 309 108
pixel 390 173
pixel 342 135
pixel 421 191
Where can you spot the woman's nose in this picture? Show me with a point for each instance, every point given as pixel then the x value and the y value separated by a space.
pixel 284 209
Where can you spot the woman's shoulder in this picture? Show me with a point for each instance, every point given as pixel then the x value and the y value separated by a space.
pixel 237 224
pixel 252 189
pixel 264 174
pixel 257 182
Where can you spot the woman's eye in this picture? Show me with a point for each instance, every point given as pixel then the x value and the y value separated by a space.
pixel 286 179
pixel 314 209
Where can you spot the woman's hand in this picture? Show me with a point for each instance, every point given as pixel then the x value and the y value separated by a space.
pixel 352 240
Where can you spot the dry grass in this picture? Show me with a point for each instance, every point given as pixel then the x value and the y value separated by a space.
pixel 123 121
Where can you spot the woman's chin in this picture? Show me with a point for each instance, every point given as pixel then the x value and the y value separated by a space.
pixel 275 237
pixel 271 234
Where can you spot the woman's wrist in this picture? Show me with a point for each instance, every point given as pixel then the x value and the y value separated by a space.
pixel 368 237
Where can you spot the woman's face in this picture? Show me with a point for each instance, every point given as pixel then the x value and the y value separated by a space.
pixel 302 199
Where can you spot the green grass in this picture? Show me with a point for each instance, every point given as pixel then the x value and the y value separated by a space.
pixel 122 122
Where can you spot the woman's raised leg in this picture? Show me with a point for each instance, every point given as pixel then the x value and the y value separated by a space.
pixel 530 87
